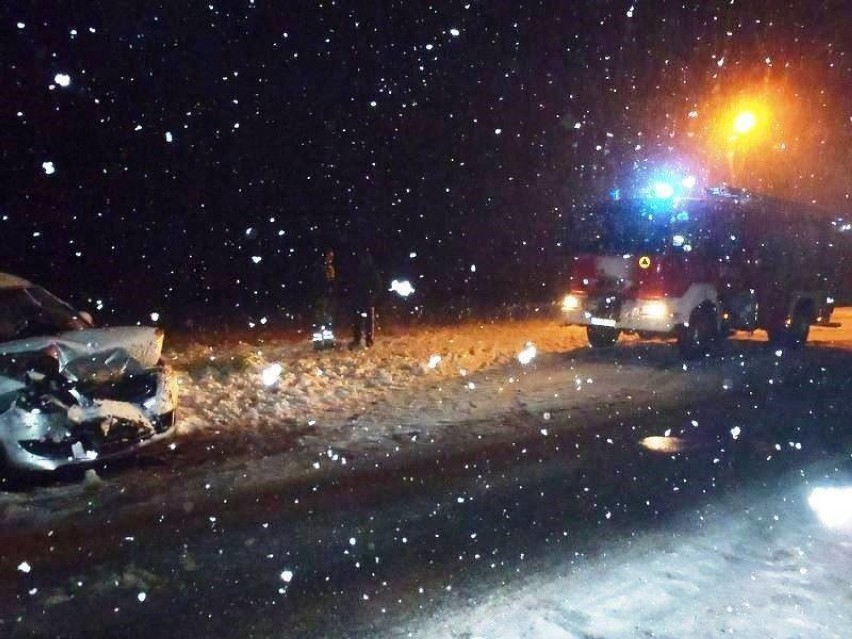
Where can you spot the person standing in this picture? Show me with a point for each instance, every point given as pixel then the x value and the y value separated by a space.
pixel 364 291
pixel 325 305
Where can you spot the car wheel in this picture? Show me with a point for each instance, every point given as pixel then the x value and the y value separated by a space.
pixel 602 336
pixel 700 335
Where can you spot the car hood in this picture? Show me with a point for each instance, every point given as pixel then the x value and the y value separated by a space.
pixel 141 343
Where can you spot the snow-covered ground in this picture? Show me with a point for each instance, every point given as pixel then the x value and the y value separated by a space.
pixel 266 385
pixel 751 564
pixel 279 395
pixel 425 375
pixel 272 409
pixel 754 565
pixel 225 385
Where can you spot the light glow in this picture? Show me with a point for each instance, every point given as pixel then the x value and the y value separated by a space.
pixel 654 309
pixel 663 190
pixel 832 505
pixel 324 334
pixel 403 288
pixel 528 354
pixel 269 376
pixel 662 444
pixel 571 303
pixel 744 122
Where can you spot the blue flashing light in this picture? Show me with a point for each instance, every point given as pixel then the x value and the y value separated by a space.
pixel 663 190
pixel 666 186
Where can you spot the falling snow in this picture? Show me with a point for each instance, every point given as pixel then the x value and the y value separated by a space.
pixel 457 141
pixel 390 145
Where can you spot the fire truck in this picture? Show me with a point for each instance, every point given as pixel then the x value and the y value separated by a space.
pixel 697 268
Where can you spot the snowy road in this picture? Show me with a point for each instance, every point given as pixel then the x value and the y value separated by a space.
pixel 536 512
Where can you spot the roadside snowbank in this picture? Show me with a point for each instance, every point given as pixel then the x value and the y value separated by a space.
pixel 240 384
pixel 265 394
pixel 268 386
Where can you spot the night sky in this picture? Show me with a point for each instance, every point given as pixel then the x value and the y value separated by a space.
pixel 194 157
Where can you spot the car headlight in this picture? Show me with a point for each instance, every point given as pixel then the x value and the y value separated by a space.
pixel 571 303
pixel 654 309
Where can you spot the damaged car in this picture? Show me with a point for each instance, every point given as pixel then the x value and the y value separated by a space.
pixel 72 394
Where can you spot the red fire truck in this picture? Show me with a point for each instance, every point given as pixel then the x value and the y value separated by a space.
pixel 698 268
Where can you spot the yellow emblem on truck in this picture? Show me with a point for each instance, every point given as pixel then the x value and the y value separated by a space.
pixel 644 262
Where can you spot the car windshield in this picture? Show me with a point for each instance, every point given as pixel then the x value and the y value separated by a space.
pixel 640 226
pixel 33 311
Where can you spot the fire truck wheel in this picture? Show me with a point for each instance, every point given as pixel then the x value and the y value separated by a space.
pixel 794 335
pixel 601 336
pixel 700 336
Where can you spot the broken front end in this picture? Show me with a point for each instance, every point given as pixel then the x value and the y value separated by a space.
pixel 60 408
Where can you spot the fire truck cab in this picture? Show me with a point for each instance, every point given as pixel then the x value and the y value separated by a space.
pixel 698 268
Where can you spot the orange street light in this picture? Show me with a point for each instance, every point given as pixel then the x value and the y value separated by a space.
pixel 744 122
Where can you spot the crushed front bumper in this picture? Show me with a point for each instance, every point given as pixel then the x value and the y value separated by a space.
pixel 111 419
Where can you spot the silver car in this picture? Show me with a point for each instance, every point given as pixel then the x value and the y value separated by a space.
pixel 72 394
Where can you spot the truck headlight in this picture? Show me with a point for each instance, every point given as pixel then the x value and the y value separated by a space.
pixel 654 309
pixel 571 303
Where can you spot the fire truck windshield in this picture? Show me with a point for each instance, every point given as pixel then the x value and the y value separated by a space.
pixel 638 226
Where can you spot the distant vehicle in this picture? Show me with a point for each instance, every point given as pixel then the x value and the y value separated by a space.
pixel 71 394
pixel 700 268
